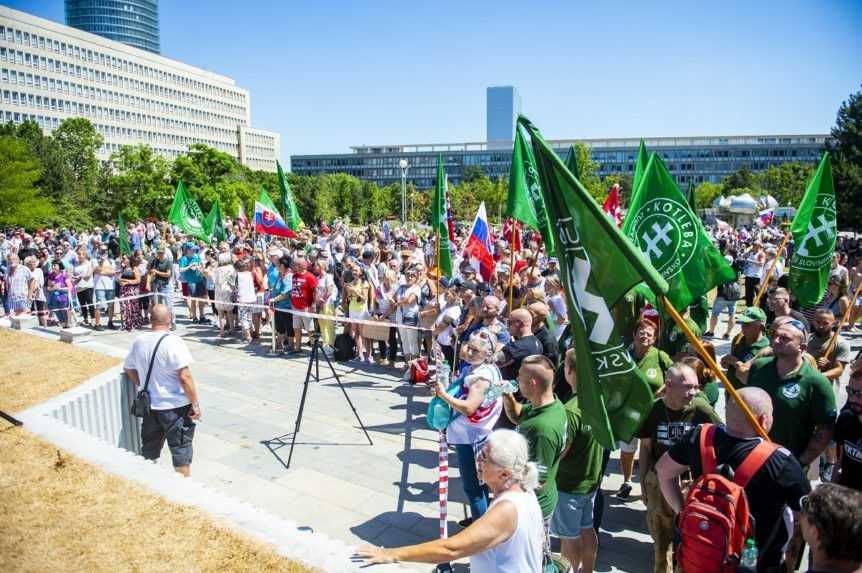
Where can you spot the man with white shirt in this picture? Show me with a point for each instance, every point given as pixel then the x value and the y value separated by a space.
pixel 174 407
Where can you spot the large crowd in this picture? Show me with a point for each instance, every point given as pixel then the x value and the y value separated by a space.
pixel 374 295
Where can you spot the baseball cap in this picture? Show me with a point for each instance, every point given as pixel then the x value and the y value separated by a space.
pixel 752 314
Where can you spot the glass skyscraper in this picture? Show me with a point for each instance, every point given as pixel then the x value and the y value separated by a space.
pixel 503 104
pixel 132 22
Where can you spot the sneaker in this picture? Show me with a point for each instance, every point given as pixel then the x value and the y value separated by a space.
pixel 625 491
pixel 112 326
pixel 726 336
pixel 98 328
pixel 709 334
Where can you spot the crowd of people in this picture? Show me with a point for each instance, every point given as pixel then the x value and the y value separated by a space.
pixel 374 295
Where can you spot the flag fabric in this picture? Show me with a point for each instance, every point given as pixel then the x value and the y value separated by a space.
pixel 764 218
pixel 598 265
pixel 572 162
pixel 691 197
pixel 241 219
pixel 640 166
pixel 123 235
pixel 479 247
pixel 291 213
pixel 214 224
pixel 525 202
pixel 814 234
pixel 661 223
pixel 440 222
pixel 612 205
pixel 264 199
pixel 512 233
pixel 450 219
pixel 186 214
pixel 268 221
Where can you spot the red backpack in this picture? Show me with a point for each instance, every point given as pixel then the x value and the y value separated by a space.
pixel 715 521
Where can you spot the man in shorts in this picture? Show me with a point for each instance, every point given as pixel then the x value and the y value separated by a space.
pixel 174 406
pixel 302 295
pixel 160 271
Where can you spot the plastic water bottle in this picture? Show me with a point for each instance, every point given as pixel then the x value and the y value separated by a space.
pixel 443 374
pixel 497 389
pixel 748 562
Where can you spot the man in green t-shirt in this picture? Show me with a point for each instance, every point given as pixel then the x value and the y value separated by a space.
pixel 578 478
pixel 542 421
pixel 671 417
pixel 674 340
pixel 803 400
pixel 746 345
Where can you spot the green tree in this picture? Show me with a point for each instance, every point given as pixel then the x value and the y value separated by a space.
pixel 741 178
pixel 20 201
pixel 785 182
pixel 138 185
pixel 846 148
pixel 706 193
pixel 590 172
pixel 79 141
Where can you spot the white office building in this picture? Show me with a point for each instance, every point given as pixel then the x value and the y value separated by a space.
pixel 49 72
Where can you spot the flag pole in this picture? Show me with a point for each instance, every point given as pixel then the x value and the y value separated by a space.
pixel 437 293
pixel 512 265
pixel 834 340
pixel 771 269
pixel 711 364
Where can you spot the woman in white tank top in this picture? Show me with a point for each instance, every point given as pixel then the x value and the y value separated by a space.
pixel 508 538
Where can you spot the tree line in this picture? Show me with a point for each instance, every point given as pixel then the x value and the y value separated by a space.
pixel 57 180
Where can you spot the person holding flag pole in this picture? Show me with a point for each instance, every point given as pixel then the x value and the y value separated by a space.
pixel 771 270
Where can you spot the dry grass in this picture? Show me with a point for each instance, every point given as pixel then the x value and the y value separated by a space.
pixel 59 512
pixel 35 369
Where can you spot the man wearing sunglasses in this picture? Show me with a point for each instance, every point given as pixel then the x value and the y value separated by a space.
pixel 848 436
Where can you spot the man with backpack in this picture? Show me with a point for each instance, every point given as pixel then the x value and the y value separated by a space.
pixel 770 476
pixel 725 301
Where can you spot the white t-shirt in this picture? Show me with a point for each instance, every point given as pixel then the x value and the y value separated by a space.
pixel 39 277
pixel 106 281
pixel 324 283
pixel 164 389
pixel 522 552
pixel 245 291
pixel 461 430
pixel 82 269
pixel 445 338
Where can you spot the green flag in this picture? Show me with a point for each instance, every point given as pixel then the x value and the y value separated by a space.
pixel 640 166
pixel 186 214
pixel 572 162
pixel 691 197
pixel 598 265
pixel 525 202
pixel 214 223
pixel 661 223
pixel 123 235
pixel 814 235
pixel 291 213
pixel 265 200
pixel 440 221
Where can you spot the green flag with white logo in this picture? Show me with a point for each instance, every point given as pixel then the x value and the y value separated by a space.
pixel 524 202
pixel 640 166
pixel 660 222
pixel 186 214
pixel 598 265
pixel 291 213
pixel 440 221
pixel 214 223
pixel 814 235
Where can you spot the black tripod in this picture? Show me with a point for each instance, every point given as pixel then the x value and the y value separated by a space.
pixel 314 364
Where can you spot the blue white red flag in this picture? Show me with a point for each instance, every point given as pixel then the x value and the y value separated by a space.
pixel 479 247
pixel 765 217
pixel 269 222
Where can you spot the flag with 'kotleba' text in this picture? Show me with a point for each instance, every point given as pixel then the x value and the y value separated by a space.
pixel 814 235
pixel 186 214
pixel 598 265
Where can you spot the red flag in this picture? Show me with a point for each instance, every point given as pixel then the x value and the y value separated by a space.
pixel 512 227
pixel 612 205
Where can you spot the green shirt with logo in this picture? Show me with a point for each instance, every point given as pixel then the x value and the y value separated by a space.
pixel 801 401
pixel 744 352
pixel 545 431
pixel 580 470
pixel 653 365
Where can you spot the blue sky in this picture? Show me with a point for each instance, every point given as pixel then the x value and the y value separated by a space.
pixel 330 74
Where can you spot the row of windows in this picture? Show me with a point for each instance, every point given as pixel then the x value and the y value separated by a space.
pixel 108 15
pixel 629 156
pixel 109 96
pixel 93 56
pixel 93 75
pixel 73 108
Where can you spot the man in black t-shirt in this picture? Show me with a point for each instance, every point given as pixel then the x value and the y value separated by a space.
pixel 524 344
pixel 848 436
pixel 539 311
pixel 831 523
pixel 774 490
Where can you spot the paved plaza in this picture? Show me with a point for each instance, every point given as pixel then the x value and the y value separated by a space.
pixel 338 484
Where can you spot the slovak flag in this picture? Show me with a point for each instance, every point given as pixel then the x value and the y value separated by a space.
pixel 612 205
pixel 478 246
pixel 764 218
pixel 269 222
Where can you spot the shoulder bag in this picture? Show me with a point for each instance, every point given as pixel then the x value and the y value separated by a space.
pixel 141 403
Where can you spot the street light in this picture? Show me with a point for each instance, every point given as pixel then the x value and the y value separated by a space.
pixel 404 167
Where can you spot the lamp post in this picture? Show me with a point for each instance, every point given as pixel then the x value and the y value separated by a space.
pixel 404 167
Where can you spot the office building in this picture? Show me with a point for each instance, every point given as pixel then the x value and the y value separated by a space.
pixel 502 106
pixel 132 22
pixel 49 72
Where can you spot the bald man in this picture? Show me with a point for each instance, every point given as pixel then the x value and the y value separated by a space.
pixel 524 343
pixel 160 361
pixel 539 312
pixel 773 492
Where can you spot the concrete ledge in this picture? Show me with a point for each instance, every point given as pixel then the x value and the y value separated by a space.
pixel 23 322
pixel 70 335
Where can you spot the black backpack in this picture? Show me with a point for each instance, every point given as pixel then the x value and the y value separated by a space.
pixel 730 291
pixel 345 347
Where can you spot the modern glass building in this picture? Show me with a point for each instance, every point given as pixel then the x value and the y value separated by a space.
pixel 132 22
pixel 695 159
pixel 502 106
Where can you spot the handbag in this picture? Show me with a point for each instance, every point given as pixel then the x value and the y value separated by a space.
pixel 141 402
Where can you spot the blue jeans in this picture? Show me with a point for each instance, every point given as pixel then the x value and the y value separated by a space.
pixel 477 494
pixel 164 294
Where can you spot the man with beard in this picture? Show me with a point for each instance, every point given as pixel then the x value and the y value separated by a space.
pixel 832 366
pixel 848 436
